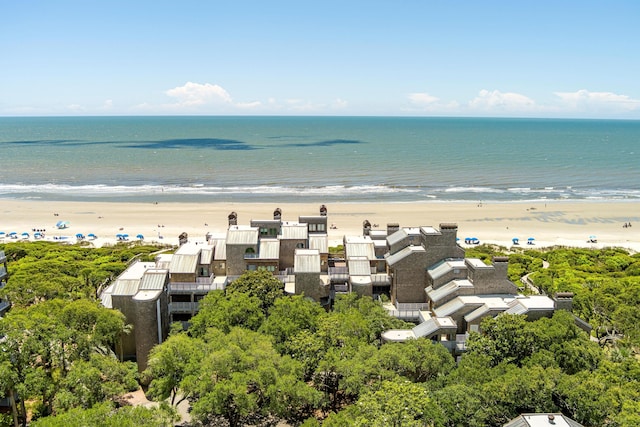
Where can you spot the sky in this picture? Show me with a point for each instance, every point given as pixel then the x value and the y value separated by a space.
pixel 469 58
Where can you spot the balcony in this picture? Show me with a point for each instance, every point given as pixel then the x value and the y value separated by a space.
pixel 202 285
pixel 184 307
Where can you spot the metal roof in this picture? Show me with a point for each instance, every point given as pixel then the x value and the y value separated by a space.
pixel 294 231
pixel 206 254
pixel 307 261
pixel 397 237
pixel 542 420
pixel 153 280
pixel 125 287
pixel 269 249
pixel 429 230
pixel 242 235
pixel 129 281
pixel 401 254
pixel 184 263
pixel 220 249
pixel 360 280
pixel 359 266
pixel 163 261
pixel 319 242
pixel 445 267
pixel 360 248
pixel 450 288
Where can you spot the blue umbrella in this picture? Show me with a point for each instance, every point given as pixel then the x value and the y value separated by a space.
pixel 140 236
pixel 92 236
pixel 515 240
pixel 79 236
pixel 13 233
pixel 25 234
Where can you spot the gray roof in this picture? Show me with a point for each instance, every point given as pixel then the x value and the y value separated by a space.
pixel 153 280
pixel 220 249
pixel 359 266
pixel 403 253
pixel 146 295
pixel 542 420
pixel 450 288
pixel 269 249
pixel 435 325
pixel 444 267
pixel 242 235
pixel 128 282
pixel 319 242
pixel 397 237
pixel 184 263
pixel 360 246
pixel 294 231
pixel 206 254
pixel 307 261
pixel 430 230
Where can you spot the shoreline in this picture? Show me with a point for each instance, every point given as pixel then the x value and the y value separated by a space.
pixel 549 222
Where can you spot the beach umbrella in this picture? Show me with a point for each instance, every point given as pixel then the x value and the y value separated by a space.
pixel 531 239
pixel 25 234
pixel 37 235
pixel 92 236
pixel 515 240
pixel 79 236
pixel 126 236
pixel 592 237
pixel 2 233
pixel 13 233
pixel 62 224
pixel 140 236
pixel 119 235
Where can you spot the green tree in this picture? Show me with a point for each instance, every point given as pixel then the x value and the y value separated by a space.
pixel 173 368
pixel 224 312
pixel 260 284
pixel 393 403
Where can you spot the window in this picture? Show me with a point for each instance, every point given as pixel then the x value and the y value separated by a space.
pixel 264 231
pixel 312 227
pixel 249 251
pixel 322 227
pixel 300 245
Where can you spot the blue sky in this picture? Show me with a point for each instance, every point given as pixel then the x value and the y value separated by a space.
pixel 398 58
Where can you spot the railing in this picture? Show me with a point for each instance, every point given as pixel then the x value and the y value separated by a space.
pixel 3 257
pixel 184 307
pixel 3 272
pixel 202 284
pixel 251 256
pixel 4 306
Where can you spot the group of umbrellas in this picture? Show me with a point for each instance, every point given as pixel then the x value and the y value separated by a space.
pixel 124 237
pixel 530 241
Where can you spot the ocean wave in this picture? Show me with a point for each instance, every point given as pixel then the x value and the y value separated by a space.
pixel 355 193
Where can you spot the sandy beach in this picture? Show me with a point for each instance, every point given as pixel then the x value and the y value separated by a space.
pixel 551 223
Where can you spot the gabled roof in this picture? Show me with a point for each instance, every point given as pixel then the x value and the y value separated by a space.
pixel 359 266
pixel 360 246
pixel 294 231
pixel 153 280
pixel 450 288
pixel 184 263
pixel 402 254
pixel 307 261
pixel 269 249
pixel 242 235
pixel 443 267
pixel 319 242
pixel 397 237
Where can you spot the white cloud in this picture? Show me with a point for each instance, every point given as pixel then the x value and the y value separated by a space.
pixel 506 102
pixel 421 99
pixel 584 100
pixel 195 94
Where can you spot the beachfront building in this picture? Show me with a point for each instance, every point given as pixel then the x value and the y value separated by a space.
pixel 141 294
pixel 448 295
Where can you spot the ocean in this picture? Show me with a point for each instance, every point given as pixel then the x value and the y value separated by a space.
pixel 317 159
